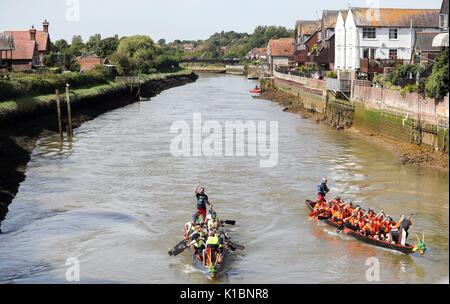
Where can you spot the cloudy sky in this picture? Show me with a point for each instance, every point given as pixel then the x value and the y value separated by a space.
pixel 171 19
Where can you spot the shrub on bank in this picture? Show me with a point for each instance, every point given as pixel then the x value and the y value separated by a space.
pixel 25 84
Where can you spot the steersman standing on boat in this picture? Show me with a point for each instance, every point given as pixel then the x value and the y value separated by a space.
pixel 202 200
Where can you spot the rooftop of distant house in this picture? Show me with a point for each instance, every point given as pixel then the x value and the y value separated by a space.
pixel 282 47
pixel 396 17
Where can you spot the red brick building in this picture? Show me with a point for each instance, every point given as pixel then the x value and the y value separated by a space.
pixel 30 47
pixel 87 63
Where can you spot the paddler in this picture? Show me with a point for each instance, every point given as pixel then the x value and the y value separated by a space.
pixel 202 200
pixel 198 242
pixel 212 222
pixel 212 245
pixel 322 190
pixel 189 227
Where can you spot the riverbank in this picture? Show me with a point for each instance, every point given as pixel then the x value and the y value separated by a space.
pixel 25 120
pixel 407 153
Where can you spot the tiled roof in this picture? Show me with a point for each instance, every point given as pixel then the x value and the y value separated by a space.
pixel 24 48
pixel 396 17
pixel 310 27
pixel 42 38
pixel 424 42
pixel 283 47
pixel 444 7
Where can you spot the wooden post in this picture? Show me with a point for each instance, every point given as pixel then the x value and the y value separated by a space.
pixel 69 113
pixel 58 109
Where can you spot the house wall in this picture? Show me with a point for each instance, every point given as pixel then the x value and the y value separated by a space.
pixel 339 55
pixel 278 61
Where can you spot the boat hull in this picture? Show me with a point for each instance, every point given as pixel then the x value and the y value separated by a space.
pixel 407 249
pixel 199 265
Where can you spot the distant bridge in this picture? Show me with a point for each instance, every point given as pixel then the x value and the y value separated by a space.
pixel 224 61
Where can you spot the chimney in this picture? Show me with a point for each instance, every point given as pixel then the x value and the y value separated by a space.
pixel 33 34
pixel 45 25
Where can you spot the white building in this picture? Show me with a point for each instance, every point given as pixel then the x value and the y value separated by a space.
pixel 369 38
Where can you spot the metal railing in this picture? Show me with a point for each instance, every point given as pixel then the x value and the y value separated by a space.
pixel 339 85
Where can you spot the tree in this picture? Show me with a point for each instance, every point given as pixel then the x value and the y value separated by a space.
pixel 60 46
pixel 93 44
pixel 135 55
pixel 77 47
pixel 436 85
pixel 162 42
pixel 108 46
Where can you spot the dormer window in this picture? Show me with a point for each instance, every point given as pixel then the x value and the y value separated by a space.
pixel 369 33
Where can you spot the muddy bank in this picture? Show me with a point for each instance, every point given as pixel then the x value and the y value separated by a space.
pixel 20 131
pixel 407 153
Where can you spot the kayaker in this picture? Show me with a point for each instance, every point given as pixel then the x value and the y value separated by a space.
pixel 202 200
pixel 322 190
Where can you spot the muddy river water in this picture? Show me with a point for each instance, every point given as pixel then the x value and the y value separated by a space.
pixel 117 199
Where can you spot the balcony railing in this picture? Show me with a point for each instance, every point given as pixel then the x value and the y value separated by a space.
pixel 378 65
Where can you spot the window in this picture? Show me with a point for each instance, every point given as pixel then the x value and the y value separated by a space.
pixel 443 21
pixel 393 34
pixel 369 54
pixel 369 33
pixel 393 54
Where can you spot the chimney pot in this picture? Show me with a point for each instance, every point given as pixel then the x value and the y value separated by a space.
pixel 45 25
pixel 33 34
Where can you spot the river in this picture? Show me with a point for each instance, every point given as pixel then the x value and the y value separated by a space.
pixel 117 200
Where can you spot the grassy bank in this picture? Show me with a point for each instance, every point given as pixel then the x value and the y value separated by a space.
pixel 29 103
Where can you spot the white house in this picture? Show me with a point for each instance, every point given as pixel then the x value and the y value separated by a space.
pixel 382 35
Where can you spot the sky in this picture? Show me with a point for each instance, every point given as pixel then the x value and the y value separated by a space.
pixel 171 19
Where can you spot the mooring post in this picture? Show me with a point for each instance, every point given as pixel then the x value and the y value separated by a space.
pixel 69 112
pixel 58 109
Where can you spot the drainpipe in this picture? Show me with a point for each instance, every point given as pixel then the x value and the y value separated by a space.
pixel 412 43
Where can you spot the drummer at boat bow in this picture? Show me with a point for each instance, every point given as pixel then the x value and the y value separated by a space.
pixel 202 200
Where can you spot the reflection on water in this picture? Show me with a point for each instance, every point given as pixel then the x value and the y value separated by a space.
pixel 117 200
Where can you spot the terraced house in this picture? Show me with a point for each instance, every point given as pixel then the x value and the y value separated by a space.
pixel 369 40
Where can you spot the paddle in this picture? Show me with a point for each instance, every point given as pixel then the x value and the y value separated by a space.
pixel 229 222
pixel 235 246
pixel 179 248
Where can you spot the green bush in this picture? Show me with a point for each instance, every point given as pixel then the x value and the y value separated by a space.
pixel 436 85
pixel 404 72
pixel 409 88
pixel 25 84
pixel 331 74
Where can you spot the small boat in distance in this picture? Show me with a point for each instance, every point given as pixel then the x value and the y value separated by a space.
pixel 256 90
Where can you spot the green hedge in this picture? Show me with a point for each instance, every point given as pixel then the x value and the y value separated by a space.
pixel 24 84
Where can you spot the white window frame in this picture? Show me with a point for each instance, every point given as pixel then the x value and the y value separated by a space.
pixel 369 28
pixel 396 33
pixel 396 54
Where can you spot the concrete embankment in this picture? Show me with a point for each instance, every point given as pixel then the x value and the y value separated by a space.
pixel 414 129
pixel 28 120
